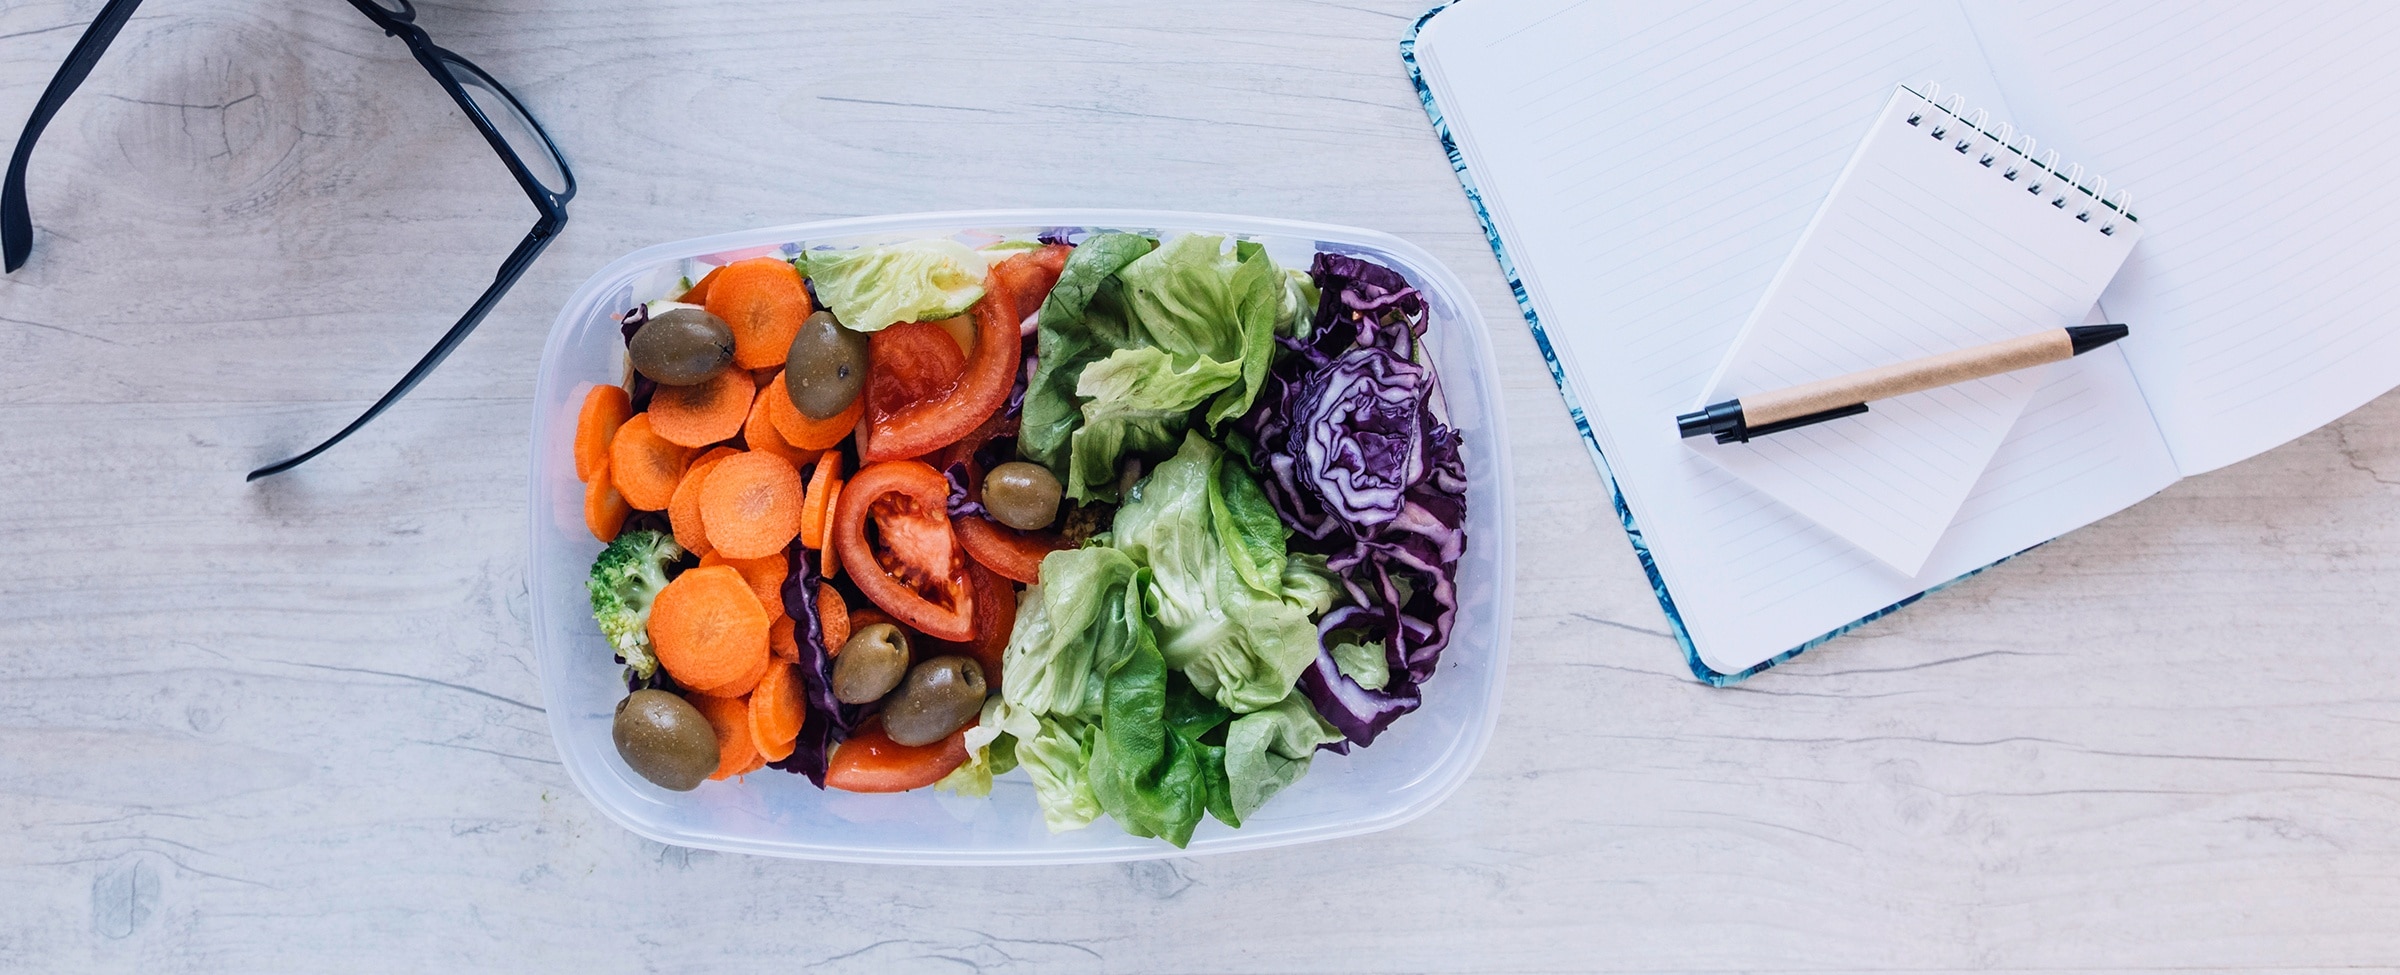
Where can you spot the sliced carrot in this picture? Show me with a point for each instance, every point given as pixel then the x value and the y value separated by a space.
pixel 765 576
pixel 705 412
pixel 783 640
pixel 605 409
pixel 776 713
pixel 800 430
pixel 604 510
pixel 751 505
pixel 699 293
pixel 683 510
pixel 813 512
pixel 833 617
pixel 729 717
pixel 741 685
pixel 761 434
pixel 763 302
pixel 644 465
pixel 831 566
pixel 708 627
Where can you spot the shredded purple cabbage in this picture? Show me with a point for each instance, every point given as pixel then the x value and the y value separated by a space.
pixel 958 504
pixel 828 721
pixel 643 386
pixel 1359 467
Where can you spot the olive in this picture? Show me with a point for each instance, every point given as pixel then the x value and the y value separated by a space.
pixel 1021 495
pixel 681 347
pixel 665 738
pixel 940 696
pixel 870 664
pixel 827 367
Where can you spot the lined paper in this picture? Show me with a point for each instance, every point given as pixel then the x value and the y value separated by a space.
pixel 1921 248
pixel 1649 168
pixel 2257 138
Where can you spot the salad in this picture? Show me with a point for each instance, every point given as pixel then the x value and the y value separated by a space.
pixel 1152 520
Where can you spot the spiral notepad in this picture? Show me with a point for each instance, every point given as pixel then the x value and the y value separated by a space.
pixel 1944 231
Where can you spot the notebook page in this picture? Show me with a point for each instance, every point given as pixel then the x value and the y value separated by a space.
pixel 2255 136
pixel 1648 169
pixel 1922 248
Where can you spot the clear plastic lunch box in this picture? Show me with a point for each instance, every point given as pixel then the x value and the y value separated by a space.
pixel 1411 768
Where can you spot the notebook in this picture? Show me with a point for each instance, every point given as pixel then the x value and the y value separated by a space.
pixel 1644 171
pixel 1945 230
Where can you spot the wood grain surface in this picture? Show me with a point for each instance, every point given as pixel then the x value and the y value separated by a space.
pixel 294 726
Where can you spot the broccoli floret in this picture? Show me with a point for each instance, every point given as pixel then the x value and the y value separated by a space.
pixel 625 578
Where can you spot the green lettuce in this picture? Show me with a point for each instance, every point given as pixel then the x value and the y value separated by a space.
pixel 1150 779
pixel 1138 339
pixel 873 288
pixel 1230 609
pixel 1269 749
pixel 1057 756
pixel 1074 627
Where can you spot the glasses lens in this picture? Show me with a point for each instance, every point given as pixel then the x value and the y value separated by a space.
pixel 515 128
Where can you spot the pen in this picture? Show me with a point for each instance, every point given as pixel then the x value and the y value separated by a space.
pixel 1758 414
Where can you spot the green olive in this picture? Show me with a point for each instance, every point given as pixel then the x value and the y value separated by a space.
pixel 1021 495
pixel 827 367
pixel 870 664
pixel 940 696
pixel 681 347
pixel 665 739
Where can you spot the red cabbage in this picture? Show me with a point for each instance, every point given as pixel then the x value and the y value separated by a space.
pixel 1357 465
pixel 828 720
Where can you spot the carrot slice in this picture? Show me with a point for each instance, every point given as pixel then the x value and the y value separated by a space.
pixel 699 293
pixel 763 302
pixel 729 717
pixel 799 429
pixel 644 465
pixel 605 409
pixel 761 434
pixel 765 576
pixel 776 714
pixel 604 510
pixel 683 510
pixel 831 565
pixel 751 505
pixel 783 640
pixel 833 617
pixel 812 507
pixel 708 627
pixel 741 685
pixel 704 412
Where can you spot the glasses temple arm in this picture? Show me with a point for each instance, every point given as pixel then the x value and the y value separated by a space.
pixel 517 261
pixel 16 221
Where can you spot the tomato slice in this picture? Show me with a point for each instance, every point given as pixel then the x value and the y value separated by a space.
pixel 917 401
pixel 1028 276
pixel 914 568
pixel 995 617
pixel 870 761
pixel 1011 553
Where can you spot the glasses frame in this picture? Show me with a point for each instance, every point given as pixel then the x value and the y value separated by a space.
pixel 16 221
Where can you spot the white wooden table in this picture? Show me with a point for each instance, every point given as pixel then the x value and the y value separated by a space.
pixel 294 725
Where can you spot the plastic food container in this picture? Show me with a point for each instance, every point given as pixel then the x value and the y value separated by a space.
pixel 1410 769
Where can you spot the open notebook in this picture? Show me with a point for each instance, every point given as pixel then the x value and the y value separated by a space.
pixel 1644 170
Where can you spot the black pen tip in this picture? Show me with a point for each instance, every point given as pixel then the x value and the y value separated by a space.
pixel 2089 337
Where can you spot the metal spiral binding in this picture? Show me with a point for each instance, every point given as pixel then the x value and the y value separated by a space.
pixel 2011 153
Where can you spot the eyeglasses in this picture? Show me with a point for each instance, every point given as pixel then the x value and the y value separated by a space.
pixel 531 157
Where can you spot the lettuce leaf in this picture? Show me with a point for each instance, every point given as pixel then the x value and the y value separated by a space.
pixel 1074 628
pixel 1196 299
pixel 1137 401
pixel 1058 757
pixel 873 288
pixel 1151 780
pixel 1239 643
pixel 1082 322
pixel 1269 749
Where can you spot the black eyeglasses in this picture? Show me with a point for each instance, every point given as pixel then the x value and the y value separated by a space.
pixel 531 157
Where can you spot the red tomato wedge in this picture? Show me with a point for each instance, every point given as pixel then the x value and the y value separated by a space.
pixel 995 617
pixel 870 761
pixel 1011 553
pixel 1028 276
pixel 913 568
pixel 918 401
